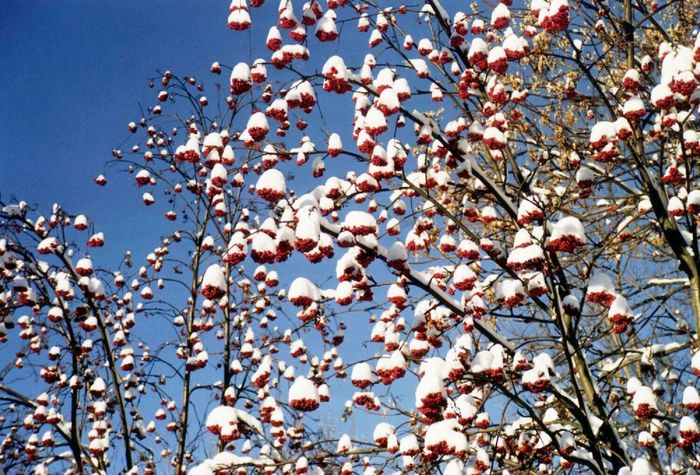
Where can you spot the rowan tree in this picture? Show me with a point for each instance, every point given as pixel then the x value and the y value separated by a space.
pixel 423 237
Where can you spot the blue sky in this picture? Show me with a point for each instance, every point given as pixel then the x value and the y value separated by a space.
pixel 72 75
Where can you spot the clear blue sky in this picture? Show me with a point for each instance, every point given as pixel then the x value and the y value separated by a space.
pixel 72 75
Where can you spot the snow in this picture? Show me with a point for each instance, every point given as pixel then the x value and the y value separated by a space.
pixel 500 16
pixel 585 177
pixel 619 308
pixel 98 386
pixel 464 277
pixel 388 102
pixel 271 185
pixel 488 360
pixel 601 133
pixel 644 398
pixel 362 375
pixel 302 292
pixel 425 46
pixel 375 121
pixel 695 363
pixel 632 76
pixel 478 48
pixel 80 222
pixel 220 417
pixel 528 257
pixel 633 107
pixel 391 365
pixel 408 445
pixel 344 293
pixel 335 144
pixel 568 226
pixel 360 222
pixel 676 61
pixel 468 249
pixel 510 291
pixel 303 394
pixel 420 66
pixel 687 424
pixel 515 46
pixel 223 460
pixel 308 231
pixel 402 89
pixel 214 281
pixel 662 96
pixel 528 210
pixel 213 140
pixel 691 398
pixel 48 245
pixel 496 57
pixel 444 437
pixel 257 122
pixel 494 138
pixel 675 206
pixel 219 175
pixel 600 283
pixel 382 431
pixel 641 466
pixel 429 388
pixel 249 421
pixel 397 253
